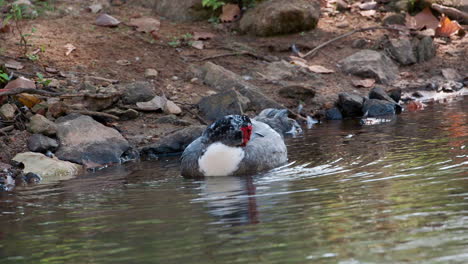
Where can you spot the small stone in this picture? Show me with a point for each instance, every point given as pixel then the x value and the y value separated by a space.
pixel 124 115
pixel 54 83
pixel 350 104
pixel 20 82
pixel 333 114
pixel 140 91
pixel 41 143
pixel 95 8
pixel 175 78
pixel 8 111
pixel 151 73
pixel 172 119
pixel 394 19
pixel 193 80
pixel 157 103
pixel 105 20
pixel 172 108
pixel 425 49
pixel 343 24
pixel 39 124
pixel 401 50
pixel 359 43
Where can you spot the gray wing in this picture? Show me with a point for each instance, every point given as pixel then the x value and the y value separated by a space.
pixel 189 159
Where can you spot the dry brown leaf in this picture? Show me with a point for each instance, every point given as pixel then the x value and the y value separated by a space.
pixel 202 35
pixel 299 61
pixel 105 20
pixel 231 12
pixel 424 19
pixel 366 83
pixel 145 24
pixel 447 27
pixel 69 48
pixel 319 69
pixel 28 100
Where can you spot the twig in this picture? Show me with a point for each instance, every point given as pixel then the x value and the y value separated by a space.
pixel 451 12
pixel 16 91
pixel 93 113
pixel 345 35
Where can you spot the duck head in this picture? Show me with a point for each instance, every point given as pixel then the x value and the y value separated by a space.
pixel 231 130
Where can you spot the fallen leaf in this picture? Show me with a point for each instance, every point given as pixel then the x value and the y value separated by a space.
pixel 105 20
pixel 366 83
pixel 198 44
pixel 28 100
pixel 231 12
pixel 202 35
pixel 424 19
pixel 145 24
pixel 414 106
pixel 319 69
pixel 299 61
pixel 69 48
pixel 368 5
pixel 447 27
pixel 11 64
pixel 367 13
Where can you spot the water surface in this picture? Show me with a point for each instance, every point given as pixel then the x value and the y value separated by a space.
pixel 390 193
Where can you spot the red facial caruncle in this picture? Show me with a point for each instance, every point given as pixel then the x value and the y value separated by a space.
pixel 246 133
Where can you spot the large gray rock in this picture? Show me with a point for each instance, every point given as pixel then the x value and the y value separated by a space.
pixel 370 64
pixel 84 140
pixel 350 104
pixel 178 10
pixel 39 124
pixel 281 17
pixel 222 79
pixel 41 143
pixel 379 93
pixel 401 50
pixel 224 103
pixel 49 169
pixel 425 49
pixel 137 92
pixel 297 92
pixel 375 108
pixel 173 143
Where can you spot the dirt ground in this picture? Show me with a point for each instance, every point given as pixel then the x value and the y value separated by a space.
pixel 98 50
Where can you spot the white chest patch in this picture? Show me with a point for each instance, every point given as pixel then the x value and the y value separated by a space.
pixel 220 160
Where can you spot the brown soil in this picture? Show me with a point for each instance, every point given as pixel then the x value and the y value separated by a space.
pixel 99 48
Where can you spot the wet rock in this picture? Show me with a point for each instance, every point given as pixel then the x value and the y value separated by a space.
pixel 333 114
pixel 173 120
pixel 8 111
pixel 124 115
pixel 297 92
pixel 137 92
pixel 379 93
pixel 280 17
pixel 48 168
pixel 395 94
pixel 375 108
pixel 84 140
pixel 371 64
pixel 425 49
pixel 151 73
pixel 41 143
pixel 222 79
pixel 394 19
pixel 173 143
pixel 350 104
pixel 224 103
pixel 401 50
pixel 39 124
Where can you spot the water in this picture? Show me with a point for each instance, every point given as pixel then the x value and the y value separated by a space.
pixel 390 193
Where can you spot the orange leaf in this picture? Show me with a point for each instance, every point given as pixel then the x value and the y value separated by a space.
pixel 231 12
pixel 447 27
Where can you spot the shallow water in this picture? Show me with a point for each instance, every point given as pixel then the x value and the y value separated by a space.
pixel 390 193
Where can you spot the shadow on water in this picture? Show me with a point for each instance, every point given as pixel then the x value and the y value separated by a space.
pixel 390 193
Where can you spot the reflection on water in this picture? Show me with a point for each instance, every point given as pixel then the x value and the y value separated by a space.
pixel 392 193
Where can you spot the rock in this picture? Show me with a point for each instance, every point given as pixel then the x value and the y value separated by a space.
pixel 395 94
pixel 138 92
pixel 283 70
pixel 151 73
pixel 222 79
pixel 39 124
pixel 451 74
pixel 370 64
pixel 49 169
pixel 41 143
pixel 84 140
pixel 342 5
pixel 173 120
pixel 375 108
pixel 172 108
pixel 105 20
pixel 297 92
pixel 57 109
pixel 394 19
pixel 379 93
pixel 277 17
pixel 95 8
pixel 8 111
pixel 178 10
pixel 20 82
pixel 359 43
pixel 425 49
pixel 224 103
pixel 155 104
pixel 401 50
pixel 173 143
pixel 333 114
pixel 343 24
pixel 124 115
pixel 350 104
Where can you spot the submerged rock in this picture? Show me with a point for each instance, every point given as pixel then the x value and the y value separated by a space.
pixel 376 107
pixel 82 139
pixel 281 17
pixel 350 104
pixel 370 64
